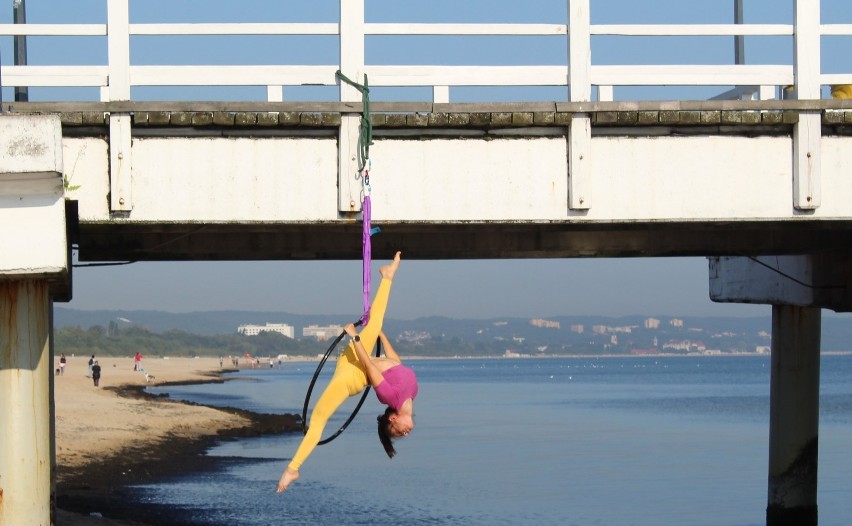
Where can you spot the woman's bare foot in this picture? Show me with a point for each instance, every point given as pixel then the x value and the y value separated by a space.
pixel 388 271
pixel 288 477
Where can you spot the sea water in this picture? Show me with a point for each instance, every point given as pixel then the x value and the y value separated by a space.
pixel 570 441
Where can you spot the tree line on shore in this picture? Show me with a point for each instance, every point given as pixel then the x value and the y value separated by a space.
pixel 129 340
pixel 126 341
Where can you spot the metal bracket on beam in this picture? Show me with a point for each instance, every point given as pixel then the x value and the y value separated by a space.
pixel 579 168
pixel 120 180
pixel 347 153
pixel 807 139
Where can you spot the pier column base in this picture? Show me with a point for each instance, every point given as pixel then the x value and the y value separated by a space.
pixel 794 416
pixel 25 368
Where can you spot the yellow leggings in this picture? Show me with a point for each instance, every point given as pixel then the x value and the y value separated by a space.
pixel 349 378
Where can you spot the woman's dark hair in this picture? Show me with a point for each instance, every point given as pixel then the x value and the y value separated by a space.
pixel 384 431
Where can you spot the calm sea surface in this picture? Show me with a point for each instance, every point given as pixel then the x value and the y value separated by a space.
pixel 613 441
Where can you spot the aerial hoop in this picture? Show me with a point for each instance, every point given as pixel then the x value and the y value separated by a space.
pixel 365 139
pixel 328 352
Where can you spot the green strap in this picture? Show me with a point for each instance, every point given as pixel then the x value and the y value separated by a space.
pixel 365 135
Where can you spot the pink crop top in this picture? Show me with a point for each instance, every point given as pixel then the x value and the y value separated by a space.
pixel 399 384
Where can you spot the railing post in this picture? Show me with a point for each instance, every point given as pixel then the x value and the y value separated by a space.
pixel 807 133
pixel 580 86
pixel 351 65
pixel 275 93
pixel 440 94
pixel 118 43
pixel 19 10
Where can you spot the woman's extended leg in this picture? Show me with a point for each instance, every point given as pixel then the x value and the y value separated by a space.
pixel 334 395
pixel 370 333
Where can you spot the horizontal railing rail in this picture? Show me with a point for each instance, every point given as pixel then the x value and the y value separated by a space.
pixel 119 76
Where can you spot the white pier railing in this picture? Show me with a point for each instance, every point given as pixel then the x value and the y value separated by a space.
pixel 578 38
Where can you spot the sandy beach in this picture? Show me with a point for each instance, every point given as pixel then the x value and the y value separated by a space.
pixel 113 435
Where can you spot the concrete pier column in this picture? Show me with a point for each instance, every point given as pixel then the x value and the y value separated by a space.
pixel 25 368
pixel 34 265
pixel 794 416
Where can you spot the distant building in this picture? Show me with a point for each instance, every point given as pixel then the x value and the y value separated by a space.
pixel 684 346
pixel 254 330
pixel 763 349
pixel 577 328
pixel 322 332
pixel 674 322
pixel 416 336
pixel 599 329
pixel 545 323
pixel 652 323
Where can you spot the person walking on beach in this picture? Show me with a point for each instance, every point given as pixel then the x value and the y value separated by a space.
pixel 137 362
pixel 62 363
pixel 395 384
pixel 91 362
pixel 96 373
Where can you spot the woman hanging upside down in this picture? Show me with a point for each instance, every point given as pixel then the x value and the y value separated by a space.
pixel 395 384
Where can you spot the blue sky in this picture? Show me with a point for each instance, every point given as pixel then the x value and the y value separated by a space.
pixel 614 287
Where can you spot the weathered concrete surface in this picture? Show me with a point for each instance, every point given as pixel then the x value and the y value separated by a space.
pixel 25 366
pixel 460 119
pixel 32 208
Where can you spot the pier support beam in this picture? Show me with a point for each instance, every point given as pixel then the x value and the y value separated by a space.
pixel 797 287
pixel 25 366
pixel 34 265
pixel 794 416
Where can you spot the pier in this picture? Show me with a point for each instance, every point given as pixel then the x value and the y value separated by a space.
pixel 754 176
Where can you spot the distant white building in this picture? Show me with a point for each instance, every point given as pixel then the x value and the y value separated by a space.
pixel 538 322
pixel 253 330
pixel 652 323
pixel 322 332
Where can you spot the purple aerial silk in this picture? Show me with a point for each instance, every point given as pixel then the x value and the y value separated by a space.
pixel 367 253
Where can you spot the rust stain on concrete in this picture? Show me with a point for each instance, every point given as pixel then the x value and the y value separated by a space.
pixel 8 312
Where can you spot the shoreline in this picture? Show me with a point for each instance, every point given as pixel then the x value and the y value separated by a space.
pixel 117 435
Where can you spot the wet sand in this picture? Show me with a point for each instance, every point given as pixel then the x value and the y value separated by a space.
pixel 110 436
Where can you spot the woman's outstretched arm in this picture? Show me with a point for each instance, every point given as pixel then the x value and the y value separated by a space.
pixel 388 348
pixel 374 375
